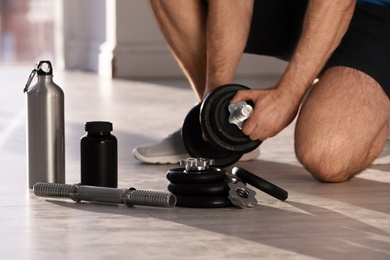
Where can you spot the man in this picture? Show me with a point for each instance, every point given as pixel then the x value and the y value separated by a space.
pixel 342 124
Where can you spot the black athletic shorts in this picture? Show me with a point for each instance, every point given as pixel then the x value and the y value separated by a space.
pixel 276 28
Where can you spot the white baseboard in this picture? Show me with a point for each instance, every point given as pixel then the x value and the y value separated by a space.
pixel 153 60
pixel 149 60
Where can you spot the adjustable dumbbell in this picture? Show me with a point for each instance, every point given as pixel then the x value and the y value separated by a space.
pixel 221 123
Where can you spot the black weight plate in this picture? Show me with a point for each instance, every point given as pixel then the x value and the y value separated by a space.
pixel 211 111
pixel 203 202
pixel 219 102
pixel 198 148
pixel 180 176
pixel 261 184
pixel 229 133
pixel 201 190
pixel 215 121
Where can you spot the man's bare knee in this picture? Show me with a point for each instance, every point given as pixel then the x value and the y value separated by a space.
pixel 341 127
pixel 323 165
pixel 337 160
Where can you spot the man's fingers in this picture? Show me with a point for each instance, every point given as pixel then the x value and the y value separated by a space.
pixel 241 95
pixel 248 127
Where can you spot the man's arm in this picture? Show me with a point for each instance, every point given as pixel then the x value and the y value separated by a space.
pixel 324 26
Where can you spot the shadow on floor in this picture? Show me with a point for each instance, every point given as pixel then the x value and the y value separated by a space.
pixel 312 208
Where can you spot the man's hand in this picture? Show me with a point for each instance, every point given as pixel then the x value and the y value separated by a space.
pixel 324 26
pixel 274 110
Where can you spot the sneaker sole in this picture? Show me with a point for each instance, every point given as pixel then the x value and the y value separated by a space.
pixel 174 159
pixel 161 159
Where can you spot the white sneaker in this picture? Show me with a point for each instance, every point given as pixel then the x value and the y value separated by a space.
pixel 171 150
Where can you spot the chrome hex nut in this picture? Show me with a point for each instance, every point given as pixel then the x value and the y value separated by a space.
pixel 241 196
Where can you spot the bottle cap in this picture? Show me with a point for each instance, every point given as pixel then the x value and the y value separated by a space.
pixel 44 68
pixel 98 126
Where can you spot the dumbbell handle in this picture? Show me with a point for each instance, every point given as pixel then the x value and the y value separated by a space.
pixel 129 197
pixel 239 112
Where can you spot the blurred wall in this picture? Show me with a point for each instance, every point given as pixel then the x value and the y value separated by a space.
pixel 26 31
pixel 119 38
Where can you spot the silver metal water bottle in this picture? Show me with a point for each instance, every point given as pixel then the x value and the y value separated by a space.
pixel 45 127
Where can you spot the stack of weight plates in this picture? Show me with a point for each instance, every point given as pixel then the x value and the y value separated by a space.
pixel 209 188
pixel 199 189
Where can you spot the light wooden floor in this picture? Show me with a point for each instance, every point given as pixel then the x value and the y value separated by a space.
pixel 318 221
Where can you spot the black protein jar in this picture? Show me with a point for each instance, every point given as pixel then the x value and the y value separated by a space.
pixel 99 155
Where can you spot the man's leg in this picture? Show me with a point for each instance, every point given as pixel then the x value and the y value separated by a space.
pixel 342 126
pixel 228 25
pixel 183 24
pixel 206 37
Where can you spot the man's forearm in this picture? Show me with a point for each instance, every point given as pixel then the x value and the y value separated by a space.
pixel 324 26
